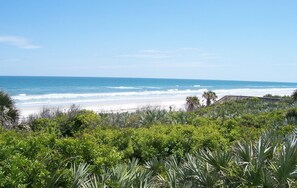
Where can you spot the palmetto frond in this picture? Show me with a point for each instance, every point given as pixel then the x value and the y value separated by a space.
pixel 81 175
pixel 192 103
pixel 253 159
pixel 8 113
pixel 285 165
pixel 210 96
pixel 219 160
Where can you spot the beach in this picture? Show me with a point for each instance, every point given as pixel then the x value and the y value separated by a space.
pixel 32 94
pixel 131 101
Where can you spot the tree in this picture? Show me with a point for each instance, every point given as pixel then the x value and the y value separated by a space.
pixel 192 103
pixel 294 95
pixel 8 113
pixel 210 96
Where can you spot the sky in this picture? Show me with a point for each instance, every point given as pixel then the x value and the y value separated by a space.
pixel 210 39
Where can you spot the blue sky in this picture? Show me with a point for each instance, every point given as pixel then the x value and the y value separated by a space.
pixel 213 39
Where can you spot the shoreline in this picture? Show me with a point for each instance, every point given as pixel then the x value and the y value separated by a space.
pixel 111 107
pixel 127 103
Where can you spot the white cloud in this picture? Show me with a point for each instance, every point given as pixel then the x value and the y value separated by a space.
pixel 19 42
pixel 165 54
pixel 150 54
pixel 180 58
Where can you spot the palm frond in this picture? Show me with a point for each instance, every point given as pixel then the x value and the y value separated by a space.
pixel 80 175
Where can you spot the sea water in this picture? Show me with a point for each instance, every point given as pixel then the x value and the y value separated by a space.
pixel 33 93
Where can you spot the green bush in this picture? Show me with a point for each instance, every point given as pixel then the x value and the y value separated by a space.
pixel 110 142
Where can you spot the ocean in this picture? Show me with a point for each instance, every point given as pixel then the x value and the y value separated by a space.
pixel 31 94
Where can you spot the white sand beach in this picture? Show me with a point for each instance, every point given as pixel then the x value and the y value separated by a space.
pixel 133 101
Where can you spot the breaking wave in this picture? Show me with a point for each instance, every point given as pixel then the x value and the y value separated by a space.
pixel 153 94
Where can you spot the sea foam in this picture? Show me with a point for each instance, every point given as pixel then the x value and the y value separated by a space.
pixel 58 98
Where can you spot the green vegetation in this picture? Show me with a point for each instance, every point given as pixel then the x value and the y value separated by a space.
pixel 8 112
pixel 210 97
pixel 246 143
pixel 192 103
pixel 294 95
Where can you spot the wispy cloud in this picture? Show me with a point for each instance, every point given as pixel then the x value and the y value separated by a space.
pixel 187 57
pixel 184 64
pixel 19 42
pixel 149 54
pixel 165 54
pixel 10 60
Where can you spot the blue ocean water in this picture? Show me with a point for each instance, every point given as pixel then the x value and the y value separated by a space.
pixel 38 91
pixel 16 85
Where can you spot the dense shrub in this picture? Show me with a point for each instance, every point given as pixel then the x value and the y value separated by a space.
pixel 118 145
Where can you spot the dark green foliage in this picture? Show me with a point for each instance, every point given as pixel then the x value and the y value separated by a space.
pixel 69 125
pixel 268 162
pixel 215 146
pixel 66 124
pixel 192 103
pixel 294 95
pixel 8 113
pixel 246 106
pixel 291 116
pixel 210 97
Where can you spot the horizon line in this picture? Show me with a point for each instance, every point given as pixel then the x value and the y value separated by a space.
pixel 164 78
